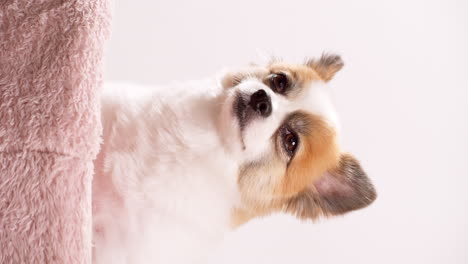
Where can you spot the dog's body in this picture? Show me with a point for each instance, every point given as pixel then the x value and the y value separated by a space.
pixel 182 164
pixel 163 186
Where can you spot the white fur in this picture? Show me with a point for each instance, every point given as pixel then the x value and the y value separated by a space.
pixel 164 185
pixel 166 177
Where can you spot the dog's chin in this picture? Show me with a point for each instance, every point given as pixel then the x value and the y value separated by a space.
pixel 232 122
pixel 239 111
pixel 240 126
pixel 242 112
pixel 244 134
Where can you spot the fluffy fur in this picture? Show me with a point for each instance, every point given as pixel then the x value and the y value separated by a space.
pixel 50 57
pixel 181 164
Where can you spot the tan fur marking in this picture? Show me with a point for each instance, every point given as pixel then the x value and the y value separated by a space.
pixel 353 190
pixel 242 216
pixel 300 73
pixel 318 152
pixel 326 66
pixel 232 79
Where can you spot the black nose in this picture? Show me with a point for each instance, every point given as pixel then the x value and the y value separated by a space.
pixel 261 103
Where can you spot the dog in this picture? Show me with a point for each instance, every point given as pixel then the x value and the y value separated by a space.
pixel 182 164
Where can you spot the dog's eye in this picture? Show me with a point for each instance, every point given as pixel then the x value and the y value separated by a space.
pixel 279 82
pixel 290 141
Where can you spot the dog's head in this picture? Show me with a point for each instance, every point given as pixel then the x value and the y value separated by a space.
pixel 281 124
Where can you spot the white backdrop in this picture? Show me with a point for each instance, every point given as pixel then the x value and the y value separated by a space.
pixel 402 99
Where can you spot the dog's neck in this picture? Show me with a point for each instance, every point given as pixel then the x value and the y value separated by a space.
pixel 162 168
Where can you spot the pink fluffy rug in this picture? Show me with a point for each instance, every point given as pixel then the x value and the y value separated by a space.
pixel 50 74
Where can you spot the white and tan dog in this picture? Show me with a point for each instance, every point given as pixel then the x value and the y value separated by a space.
pixel 182 164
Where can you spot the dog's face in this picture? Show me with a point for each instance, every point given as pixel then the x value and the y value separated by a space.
pixel 278 120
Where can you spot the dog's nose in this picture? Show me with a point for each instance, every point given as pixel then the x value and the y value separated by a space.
pixel 261 103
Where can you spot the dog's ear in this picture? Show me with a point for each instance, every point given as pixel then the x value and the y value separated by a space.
pixel 326 66
pixel 340 190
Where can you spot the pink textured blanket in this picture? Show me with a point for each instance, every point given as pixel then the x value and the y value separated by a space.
pixel 50 72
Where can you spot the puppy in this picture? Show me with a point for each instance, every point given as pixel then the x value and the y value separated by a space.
pixel 182 164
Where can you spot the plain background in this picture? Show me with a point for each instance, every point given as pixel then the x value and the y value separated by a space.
pixel 402 99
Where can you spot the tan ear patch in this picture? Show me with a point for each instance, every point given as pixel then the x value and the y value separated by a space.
pixel 340 190
pixel 326 66
pixel 318 151
pixel 301 74
pixel 266 185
